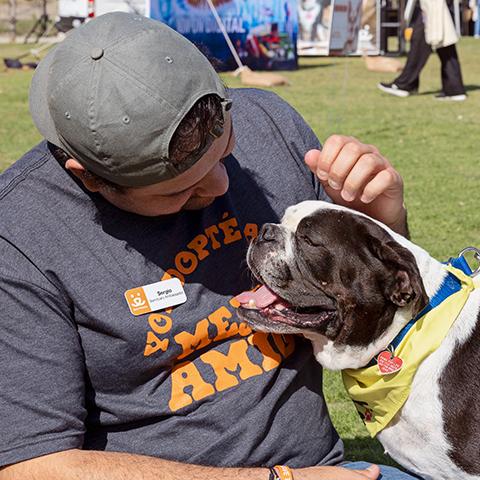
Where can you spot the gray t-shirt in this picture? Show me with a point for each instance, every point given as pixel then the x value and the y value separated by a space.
pixel 78 370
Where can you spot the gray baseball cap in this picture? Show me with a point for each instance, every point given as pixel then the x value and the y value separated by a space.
pixel 113 93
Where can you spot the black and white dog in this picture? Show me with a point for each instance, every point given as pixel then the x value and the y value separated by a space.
pixel 350 284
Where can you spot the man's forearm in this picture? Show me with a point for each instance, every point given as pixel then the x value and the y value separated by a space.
pixel 94 465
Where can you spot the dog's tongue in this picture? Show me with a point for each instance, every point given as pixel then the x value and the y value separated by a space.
pixel 263 297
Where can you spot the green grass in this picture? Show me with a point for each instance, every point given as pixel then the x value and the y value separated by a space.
pixel 23 26
pixel 434 145
pixel 17 133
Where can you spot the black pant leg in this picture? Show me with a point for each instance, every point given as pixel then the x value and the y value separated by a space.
pixel 452 82
pixel 417 56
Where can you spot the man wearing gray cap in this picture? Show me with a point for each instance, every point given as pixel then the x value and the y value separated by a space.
pixel 123 238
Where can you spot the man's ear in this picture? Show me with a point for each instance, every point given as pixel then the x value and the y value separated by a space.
pixel 404 285
pixel 79 171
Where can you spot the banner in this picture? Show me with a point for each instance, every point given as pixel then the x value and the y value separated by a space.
pixel 314 20
pixel 264 32
pixel 345 25
pixel 369 34
pixel 338 27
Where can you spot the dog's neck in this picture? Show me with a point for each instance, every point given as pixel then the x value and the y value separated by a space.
pixel 340 357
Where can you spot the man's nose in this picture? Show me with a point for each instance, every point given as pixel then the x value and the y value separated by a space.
pixel 269 232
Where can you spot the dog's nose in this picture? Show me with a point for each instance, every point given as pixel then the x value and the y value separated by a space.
pixel 269 232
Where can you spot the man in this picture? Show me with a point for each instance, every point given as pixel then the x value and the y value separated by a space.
pixel 433 29
pixel 153 171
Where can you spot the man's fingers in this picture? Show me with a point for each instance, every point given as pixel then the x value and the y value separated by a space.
pixel 312 158
pixel 330 151
pixel 319 162
pixel 338 156
pixel 348 156
pixel 362 172
pixel 384 180
pixel 372 472
pixel 358 175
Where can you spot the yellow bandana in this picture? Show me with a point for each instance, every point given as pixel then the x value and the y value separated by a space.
pixel 379 397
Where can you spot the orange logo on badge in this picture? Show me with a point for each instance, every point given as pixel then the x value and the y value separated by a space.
pixel 137 301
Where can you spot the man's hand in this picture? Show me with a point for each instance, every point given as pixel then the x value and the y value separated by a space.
pixel 356 175
pixel 336 473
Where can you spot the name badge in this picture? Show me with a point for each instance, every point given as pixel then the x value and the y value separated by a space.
pixel 155 296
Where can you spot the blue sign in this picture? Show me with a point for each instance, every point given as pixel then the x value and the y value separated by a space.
pixel 264 32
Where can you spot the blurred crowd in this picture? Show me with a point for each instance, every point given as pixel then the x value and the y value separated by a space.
pixel 475 8
pixel 433 31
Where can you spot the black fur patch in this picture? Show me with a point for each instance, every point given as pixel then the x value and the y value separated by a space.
pixel 460 397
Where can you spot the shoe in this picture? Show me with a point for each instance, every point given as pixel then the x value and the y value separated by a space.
pixel 452 98
pixel 393 89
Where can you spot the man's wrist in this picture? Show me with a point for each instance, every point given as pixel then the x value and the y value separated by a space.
pixel 280 472
pixel 401 225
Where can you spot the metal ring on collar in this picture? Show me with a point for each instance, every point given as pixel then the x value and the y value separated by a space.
pixel 476 255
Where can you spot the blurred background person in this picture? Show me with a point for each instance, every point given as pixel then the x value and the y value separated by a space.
pixel 476 18
pixel 433 30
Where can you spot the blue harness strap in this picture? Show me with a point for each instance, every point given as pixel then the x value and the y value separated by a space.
pixel 461 264
pixel 450 285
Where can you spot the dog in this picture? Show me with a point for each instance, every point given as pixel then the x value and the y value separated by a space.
pixel 350 285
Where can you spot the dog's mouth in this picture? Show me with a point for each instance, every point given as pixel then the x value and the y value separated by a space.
pixel 266 306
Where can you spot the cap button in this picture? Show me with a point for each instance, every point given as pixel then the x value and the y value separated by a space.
pixel 96 53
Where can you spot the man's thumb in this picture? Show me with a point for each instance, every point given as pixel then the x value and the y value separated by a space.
pixel 311 159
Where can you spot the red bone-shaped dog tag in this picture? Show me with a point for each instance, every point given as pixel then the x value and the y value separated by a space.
pixel 389 364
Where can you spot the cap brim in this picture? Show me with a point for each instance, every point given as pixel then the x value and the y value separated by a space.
pixel 38 99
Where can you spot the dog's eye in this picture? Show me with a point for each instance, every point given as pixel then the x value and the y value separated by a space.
pixel 308 240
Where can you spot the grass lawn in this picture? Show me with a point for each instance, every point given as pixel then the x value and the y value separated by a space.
pixel 433 145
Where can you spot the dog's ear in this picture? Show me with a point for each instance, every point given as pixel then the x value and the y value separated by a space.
pixel 404 284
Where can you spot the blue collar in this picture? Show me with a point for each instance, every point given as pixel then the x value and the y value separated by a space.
pixel 450 285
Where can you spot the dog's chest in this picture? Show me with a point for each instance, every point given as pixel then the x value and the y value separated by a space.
pixel 417 437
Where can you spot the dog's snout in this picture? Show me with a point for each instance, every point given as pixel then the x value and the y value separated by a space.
pixel 269 233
